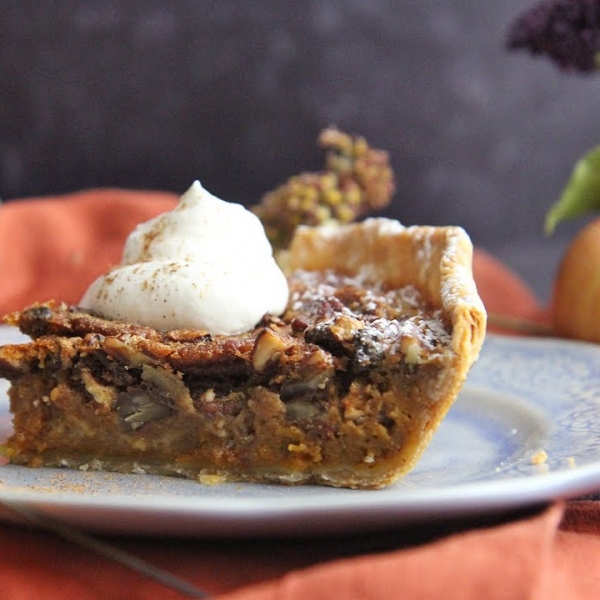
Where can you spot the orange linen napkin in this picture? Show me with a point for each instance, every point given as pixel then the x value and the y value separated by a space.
pixel 53 247
pixel 554 555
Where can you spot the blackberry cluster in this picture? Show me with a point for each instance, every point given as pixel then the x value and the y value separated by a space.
pixel 565 31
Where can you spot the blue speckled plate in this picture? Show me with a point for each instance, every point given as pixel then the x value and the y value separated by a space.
pixel 525 399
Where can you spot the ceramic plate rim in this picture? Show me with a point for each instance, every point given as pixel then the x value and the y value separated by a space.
pixel 242 515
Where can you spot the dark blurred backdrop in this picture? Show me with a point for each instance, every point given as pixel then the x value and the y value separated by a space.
pixel 154 94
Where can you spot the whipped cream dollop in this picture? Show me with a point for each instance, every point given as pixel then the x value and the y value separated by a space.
pixel 207 264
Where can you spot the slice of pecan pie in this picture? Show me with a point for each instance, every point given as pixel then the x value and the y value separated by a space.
pixel 345 388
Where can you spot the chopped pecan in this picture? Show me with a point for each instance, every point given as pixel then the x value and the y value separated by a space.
pixel 267 349
pixel 137 407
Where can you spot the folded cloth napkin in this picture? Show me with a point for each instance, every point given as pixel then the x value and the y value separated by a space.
pixel 553 555
pixel 53 248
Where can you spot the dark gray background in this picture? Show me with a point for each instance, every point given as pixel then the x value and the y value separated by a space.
pixel 155 94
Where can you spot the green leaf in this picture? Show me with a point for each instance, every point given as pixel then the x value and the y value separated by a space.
pixel 581 194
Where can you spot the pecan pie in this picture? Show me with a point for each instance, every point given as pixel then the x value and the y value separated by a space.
pixel 345 388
